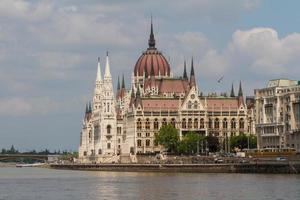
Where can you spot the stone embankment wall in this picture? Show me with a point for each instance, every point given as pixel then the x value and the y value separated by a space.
pixel 284 168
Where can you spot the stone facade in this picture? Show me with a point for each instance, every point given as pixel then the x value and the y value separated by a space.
pixel 156 97
pixel 278 114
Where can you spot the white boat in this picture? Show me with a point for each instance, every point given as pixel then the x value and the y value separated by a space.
pixel 30 165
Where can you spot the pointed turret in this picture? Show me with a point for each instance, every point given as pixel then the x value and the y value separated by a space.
pixel 86 108
pixel 232 91
pixel 99 78
pixel 240 94
pixel 151 41
pixel 90 107
pixel 118 85
pixel 123 82
pixel 185 77
pixel 192 77
pixel 107 68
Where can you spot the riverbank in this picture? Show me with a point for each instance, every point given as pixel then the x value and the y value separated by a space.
pixel 267 168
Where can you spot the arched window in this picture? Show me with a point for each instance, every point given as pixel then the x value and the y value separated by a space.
pixel 189 105
pixel 196 105
pixel 173 122
pixel 183 123
pixel 196 123
pixel 139 143
pixel 190 125
pixel 242 123
pixel 201 123
pixel 210 123
pixel 233 123
pixel 155 124
pixel 138 124
pixel 217 124
pixel 147 143
pixel 108 129
pixel 107 107
pixel 225 123
pixel 147 124
pixel 164 121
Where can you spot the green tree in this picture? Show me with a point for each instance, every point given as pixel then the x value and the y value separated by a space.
pixel 241 141
pixel 213 143
pixel 168 137
pixel 190 143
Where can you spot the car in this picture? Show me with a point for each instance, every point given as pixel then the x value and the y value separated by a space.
pixel 280 159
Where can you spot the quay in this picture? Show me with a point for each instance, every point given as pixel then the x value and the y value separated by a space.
pixel 268 168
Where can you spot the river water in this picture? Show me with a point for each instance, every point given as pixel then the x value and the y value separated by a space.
pixel 48 184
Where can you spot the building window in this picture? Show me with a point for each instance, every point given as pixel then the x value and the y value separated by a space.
pixel 241 124
pixel 217 125
pixel 183 123
pixel 139 134
pixel 164 122
pixel 84 153
pixel 225 124
pixel 99 151
pixel 155 124
pixel 119 130
pixel 190 123
pixel 147 143
pixel 147 134
pixel 119 140
pixel 147 124
pixel 201 123
pixel 196 123
pixel 195 105
pixel 139 143
pixel 189 105
pixel 210 123
pixel 173 122
pixel 108 145
pixel 233 123
pixel 108 129
pixel 139 124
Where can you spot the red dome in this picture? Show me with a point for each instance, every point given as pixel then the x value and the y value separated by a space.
pixel 154 58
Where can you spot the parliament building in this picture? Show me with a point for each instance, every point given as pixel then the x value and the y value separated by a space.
pixel 125 123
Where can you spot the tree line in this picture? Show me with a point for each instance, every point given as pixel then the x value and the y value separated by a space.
pixel 13 150
pixel 193 143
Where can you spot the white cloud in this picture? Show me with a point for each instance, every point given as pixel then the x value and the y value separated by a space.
pixel 17 106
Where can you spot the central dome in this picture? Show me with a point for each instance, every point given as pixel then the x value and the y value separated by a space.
pixel 152 58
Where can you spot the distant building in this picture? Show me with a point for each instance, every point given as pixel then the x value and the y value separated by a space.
pixel 278 114
pixel 127 125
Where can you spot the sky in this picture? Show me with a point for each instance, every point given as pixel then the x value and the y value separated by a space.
pixel 49 50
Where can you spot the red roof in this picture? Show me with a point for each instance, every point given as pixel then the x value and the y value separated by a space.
pixel 215 104
pixel 149 58
pixel 160 104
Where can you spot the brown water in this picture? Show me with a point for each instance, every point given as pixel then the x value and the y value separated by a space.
pixel 47 184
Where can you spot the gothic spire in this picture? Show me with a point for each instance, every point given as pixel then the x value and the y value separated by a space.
pixel 185 77
pixel 232 91
pixel 123 82
pixel 151 41
pixel 118 86
pixel 90 106
pixel 86 108
pixel 192 68
pixel 107 68
pixel 192 76
pixel 99 78
pixel 240 94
